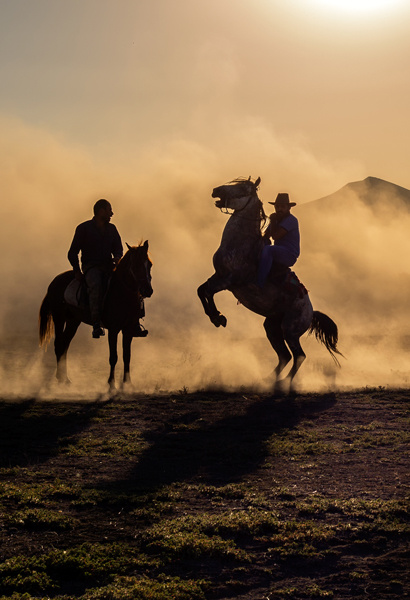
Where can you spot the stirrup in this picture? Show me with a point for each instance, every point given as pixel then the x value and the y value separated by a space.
pixel 139 331
pixel 98 331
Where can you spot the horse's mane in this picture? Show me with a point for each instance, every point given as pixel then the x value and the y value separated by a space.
pixel 262 214
pixel 244 180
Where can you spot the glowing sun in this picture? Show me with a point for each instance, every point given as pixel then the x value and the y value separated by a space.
pixel 360 5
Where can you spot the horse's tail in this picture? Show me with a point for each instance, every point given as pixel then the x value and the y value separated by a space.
pixel 326 332
pixel 45 321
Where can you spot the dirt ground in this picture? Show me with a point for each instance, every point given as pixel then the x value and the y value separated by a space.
pixel 336 461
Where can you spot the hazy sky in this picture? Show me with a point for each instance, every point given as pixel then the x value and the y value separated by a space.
pixel 119 77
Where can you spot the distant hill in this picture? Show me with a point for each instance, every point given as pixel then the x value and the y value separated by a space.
pixel 377 194
pixel 355 245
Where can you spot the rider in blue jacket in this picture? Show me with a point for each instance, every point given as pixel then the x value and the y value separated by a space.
pixel 283 228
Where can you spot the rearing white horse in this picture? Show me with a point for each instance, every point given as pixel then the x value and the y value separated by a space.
pixel 283 300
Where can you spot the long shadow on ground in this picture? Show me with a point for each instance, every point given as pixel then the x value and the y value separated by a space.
pixel 30 433
pixel 190 448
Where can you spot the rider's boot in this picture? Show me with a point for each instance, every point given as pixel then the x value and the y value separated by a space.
pixel 98 330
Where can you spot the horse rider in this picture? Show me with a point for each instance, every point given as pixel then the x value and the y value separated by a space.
pixel 101 249
pixel 283 228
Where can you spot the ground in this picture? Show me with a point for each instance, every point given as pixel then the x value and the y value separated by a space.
pixel 206 495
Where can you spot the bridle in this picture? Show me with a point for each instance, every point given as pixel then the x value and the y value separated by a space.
pixel 225 209
pixel 139 281
pixel 262 216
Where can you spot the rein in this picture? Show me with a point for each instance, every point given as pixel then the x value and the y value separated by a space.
pixel 226 210
pixel 130 290
pixel 262 216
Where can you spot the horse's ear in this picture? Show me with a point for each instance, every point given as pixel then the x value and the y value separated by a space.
pixel 128 246
pixel 257 182
pixel 146 244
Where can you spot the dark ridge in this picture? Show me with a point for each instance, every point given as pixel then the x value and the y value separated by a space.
pixel 372 191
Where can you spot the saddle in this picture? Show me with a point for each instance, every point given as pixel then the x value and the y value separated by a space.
pixel 286 279
pixel 76 294
pixel 293 286
pixel 278 273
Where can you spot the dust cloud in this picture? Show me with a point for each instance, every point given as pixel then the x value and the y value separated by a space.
pixel 353 262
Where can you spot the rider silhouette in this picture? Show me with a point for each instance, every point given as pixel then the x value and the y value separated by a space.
pixel 100 245
pixel 283 228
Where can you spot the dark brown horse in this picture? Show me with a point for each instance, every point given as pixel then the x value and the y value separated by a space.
pixel 130 282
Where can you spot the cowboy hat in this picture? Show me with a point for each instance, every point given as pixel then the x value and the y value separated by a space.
pixel 283 198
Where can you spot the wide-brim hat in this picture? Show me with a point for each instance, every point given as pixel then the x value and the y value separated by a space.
pixel 283 198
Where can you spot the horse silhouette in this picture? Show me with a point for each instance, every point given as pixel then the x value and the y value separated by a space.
pixel 130 282
pixel 283 301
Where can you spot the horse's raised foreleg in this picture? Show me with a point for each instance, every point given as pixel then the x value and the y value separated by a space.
pixel 206 293
pixel 274 334
pixel 112 342
pixel 126 354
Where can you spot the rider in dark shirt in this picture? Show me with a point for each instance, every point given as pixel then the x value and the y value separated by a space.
pixel 99 246
pixel 101 249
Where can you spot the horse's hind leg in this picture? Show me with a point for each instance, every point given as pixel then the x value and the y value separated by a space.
pixel 274 334
pixel 64 333
pixel 206 293
pixel 298 358
pixel 60 349
pixel 294 325
pixel 292 335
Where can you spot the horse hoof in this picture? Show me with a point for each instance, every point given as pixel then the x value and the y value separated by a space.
pixel 126 382
pixel 219 320
pixel 279 389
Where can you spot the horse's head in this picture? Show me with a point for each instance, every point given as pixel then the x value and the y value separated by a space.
pixel 136 266
pixel 235 194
